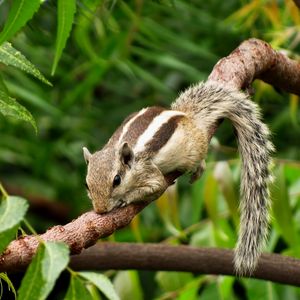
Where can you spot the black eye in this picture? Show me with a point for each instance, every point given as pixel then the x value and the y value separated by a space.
pixel 117 180
pixel 87 187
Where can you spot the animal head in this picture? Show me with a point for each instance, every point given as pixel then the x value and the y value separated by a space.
pixel 116 177
pixel 106 175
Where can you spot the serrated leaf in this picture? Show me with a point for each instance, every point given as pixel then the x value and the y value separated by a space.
pixel 10 107
pixel 12 212
pixel 19 14
pixel 12 57
pixel 77 290
pixel 65 17
pixel 102 283
pixel 49 261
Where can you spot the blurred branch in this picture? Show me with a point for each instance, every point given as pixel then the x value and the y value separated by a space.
pixel 42 206
pixel 273 267
pixel 252 59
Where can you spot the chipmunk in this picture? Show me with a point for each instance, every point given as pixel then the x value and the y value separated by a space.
pixel 154 142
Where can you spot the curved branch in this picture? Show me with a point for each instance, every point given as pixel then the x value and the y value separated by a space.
pixel 273 267
pixel 252 59
pixel 255 59
pixel 81 233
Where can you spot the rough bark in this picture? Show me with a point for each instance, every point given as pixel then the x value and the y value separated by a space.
pixel 252 59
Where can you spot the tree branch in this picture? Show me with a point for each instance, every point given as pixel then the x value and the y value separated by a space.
pixel 252 59
pixel 273 267
pixel 255 59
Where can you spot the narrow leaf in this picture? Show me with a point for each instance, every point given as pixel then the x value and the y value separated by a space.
pixel 49 261
pixel 20 13
pixel 3 86
pixel 65 11
pixel 12 57
pixel 77 290
pixel 3 276
pixel 102 283
pixel 283 216
pixel 10 107
pixel 12 212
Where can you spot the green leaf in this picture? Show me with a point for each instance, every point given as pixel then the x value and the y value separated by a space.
pixel 65 11
pixel 3 86
pixel 171 281
pixel 224 177
pixel 77 290
pixel 259 290
pixel 10 107
pixel 283 216
pixel 210 291
pixel 3 276
pixel 20 13
pixel 128 285
pixel 211 197
pixel 12 57
pixel 102 283
pixel 49 261
pixel 12 212
pixel 148 78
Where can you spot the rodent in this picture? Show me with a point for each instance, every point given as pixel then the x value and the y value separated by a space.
pixel 155 141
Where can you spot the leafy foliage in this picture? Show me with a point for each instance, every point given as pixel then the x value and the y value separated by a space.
pixel 10 107
pixel 12 212
pixel 12 57
pixel 77 290
pixel 65 15
pixel 50 259
pixel 20 12
pixel 102 283
pixel 114 58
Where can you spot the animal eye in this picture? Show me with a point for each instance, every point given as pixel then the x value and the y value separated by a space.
pixel 117 180
pixel 87 187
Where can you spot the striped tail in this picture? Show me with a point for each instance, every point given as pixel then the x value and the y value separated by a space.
pixel 208 102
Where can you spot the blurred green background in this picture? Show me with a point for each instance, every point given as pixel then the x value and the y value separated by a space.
pixel 125 55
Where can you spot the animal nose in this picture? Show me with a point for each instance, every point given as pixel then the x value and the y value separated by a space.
pixel 100 208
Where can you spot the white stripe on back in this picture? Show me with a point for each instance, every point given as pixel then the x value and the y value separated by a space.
pixel 126 126
pixel 154 126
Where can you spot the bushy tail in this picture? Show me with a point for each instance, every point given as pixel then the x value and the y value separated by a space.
pixel 209 102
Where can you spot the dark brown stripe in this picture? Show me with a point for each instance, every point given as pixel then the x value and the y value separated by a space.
pixel 164 133
pixel 115 137
pixel 140 124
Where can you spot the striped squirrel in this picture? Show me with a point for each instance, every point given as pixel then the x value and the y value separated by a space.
pixel 153 142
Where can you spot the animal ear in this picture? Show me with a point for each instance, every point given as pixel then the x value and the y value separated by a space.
pixel 126 154
pixel 86 154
